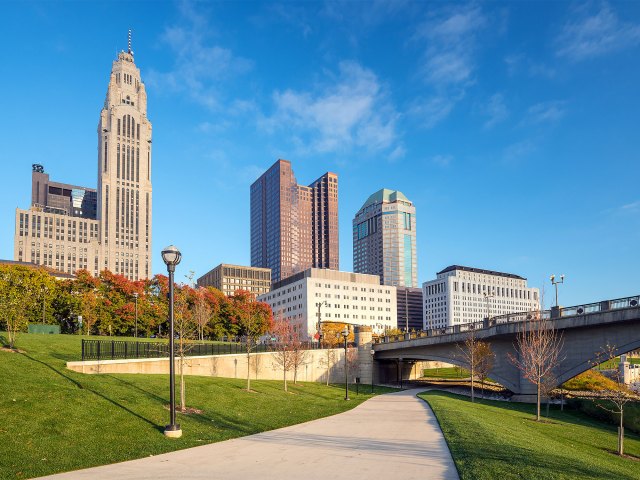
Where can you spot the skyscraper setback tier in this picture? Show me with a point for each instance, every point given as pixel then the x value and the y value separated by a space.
pixel 69 227
pixel 293 227
pixel 384 239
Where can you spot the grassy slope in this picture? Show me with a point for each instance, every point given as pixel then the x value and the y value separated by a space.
pixel 447 372
pixel 499 440
pixel 56 420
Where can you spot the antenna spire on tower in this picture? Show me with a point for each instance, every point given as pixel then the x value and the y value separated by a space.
pixel 130 41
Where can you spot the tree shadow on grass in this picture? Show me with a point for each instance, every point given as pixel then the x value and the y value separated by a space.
pixel 83 387
pixel 147 393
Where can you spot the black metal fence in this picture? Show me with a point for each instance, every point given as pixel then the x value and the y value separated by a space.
pixel 123 349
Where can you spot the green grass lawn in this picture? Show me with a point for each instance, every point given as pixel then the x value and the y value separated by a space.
pixel 500 440
pixel 54 420
pixel 447 372
pixel 611 364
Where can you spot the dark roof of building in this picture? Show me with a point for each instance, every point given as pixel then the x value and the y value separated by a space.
pixel 480 270
pixel 50 271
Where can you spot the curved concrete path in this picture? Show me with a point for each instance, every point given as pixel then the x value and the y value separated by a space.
pixel 394 436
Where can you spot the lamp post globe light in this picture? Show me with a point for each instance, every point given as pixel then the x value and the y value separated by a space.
pixel 345 334
pixel 171 257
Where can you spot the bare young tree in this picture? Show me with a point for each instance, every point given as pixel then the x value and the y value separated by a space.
pixel 539 347
pixel 469 356
pixel 615 398
pixel 283 349
pixel 202 311
pixel 186 329
pixel 486 359
pixel 254 319
pixel 299 354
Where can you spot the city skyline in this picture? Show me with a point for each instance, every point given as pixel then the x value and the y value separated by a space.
pixel 529 149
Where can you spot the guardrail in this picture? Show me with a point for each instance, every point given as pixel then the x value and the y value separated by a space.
pixel 128 349
pixel 553 314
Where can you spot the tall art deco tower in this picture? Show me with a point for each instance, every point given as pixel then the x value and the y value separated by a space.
pixel 124 173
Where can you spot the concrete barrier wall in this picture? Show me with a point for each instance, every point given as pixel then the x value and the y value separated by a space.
pixel 262 366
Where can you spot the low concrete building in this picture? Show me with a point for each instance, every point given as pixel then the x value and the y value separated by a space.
pixel 229 278
pixel 344 297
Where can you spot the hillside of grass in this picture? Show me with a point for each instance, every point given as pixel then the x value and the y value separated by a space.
pixel 55 420
pixel 500 440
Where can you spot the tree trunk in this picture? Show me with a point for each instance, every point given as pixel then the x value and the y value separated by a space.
pixel 248 369
pixel 472 393
pixel 328 369
pixel 538 401
pixel 183 405
pixel 285 378
pixel 621 433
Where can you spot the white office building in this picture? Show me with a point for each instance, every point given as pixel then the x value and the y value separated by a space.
pixel 345 297
pixel 464 295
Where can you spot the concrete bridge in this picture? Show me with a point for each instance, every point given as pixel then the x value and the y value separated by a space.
pixel 585 330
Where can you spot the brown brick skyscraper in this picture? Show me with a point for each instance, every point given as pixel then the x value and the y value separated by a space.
pixel 293 227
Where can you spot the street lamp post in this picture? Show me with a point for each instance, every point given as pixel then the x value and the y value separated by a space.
pixel 487 296
pixel 345 334
pixel 171 257
pixel 319 305
pixel 373 352
pixel 555 283
pixel 135 295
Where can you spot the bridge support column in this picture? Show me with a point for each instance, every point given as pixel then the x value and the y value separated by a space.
pixel 366 365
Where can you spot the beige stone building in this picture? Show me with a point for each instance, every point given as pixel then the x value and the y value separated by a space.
pixel 70 228
pixel 229 278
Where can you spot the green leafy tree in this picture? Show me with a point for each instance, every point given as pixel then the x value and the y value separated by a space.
pixel 22 291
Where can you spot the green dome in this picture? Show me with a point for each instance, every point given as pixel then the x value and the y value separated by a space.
pixel 385 196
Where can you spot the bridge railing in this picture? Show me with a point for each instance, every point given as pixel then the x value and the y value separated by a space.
pixel 553 314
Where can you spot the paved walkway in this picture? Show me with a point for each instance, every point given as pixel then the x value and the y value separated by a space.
pixel 393 436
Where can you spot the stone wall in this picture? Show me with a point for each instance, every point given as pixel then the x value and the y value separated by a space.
pixel 262 366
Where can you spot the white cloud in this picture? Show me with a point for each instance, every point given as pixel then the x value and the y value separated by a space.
pixel 397 153
pixel 199 66
pixel 442 160
pixel 449 37
pixel 519 63
pixel 633 207
pixel 432 111
pixel 515 152
pixel 591 34
pixel 495 110
pixel 545 112
pixel 350 111
pixel 450 44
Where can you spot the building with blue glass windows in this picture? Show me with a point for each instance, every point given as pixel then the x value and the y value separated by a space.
pixel 384 239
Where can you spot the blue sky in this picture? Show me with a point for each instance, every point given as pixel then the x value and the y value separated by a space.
pixel 512 126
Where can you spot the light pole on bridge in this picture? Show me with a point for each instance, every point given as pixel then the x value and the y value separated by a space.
pixel 555 283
